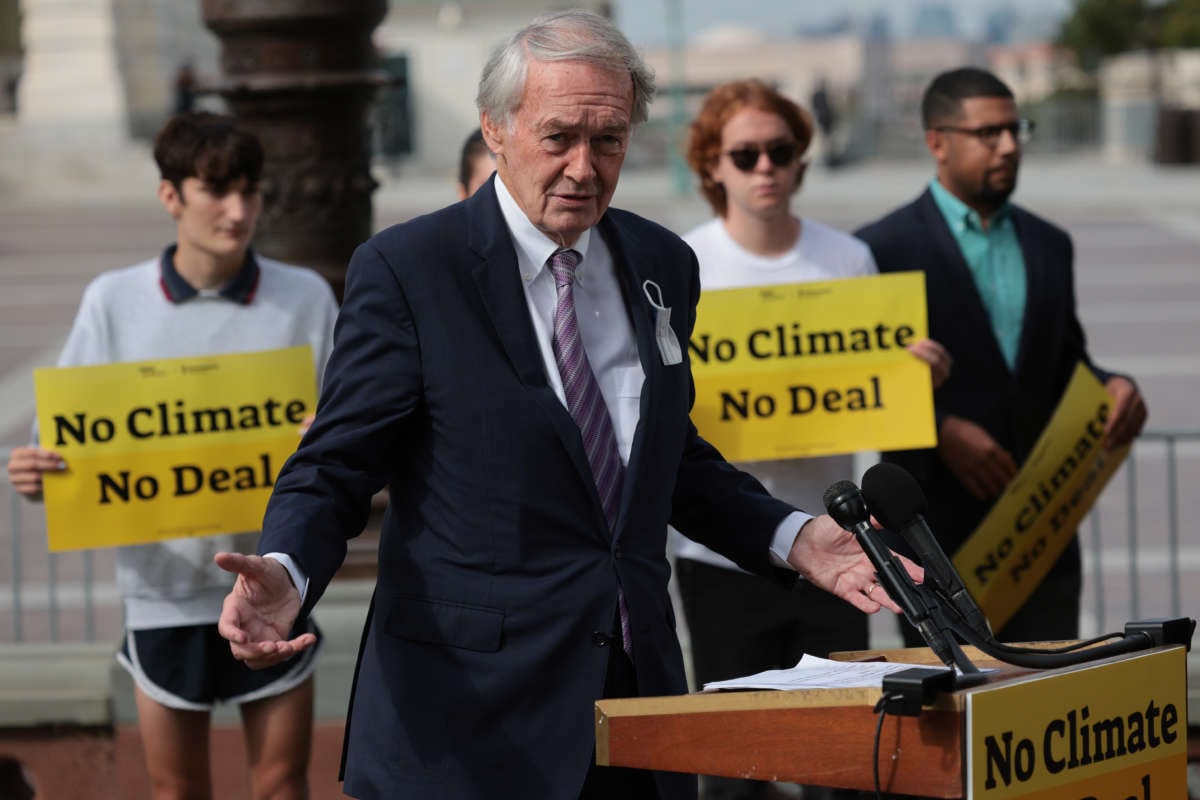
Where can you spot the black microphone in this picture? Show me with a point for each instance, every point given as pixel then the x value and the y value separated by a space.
pixel 896 500
pixel 846 505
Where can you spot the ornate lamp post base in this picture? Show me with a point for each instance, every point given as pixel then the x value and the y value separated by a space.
pixel 300 73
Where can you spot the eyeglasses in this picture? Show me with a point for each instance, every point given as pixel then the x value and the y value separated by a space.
pixel 989 135
pixel 781 155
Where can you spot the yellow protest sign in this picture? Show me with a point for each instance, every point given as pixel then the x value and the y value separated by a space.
pixel 809 369
pixel 162 449
pixel 1109 731
pixel 1027 529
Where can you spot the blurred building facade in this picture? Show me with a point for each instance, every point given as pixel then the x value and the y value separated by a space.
pixel 853 69
pixel 439 49
pixel 1151 106
pixel 96 74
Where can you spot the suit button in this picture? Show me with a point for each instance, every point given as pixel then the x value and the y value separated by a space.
pixel 617 552
pixel 600 639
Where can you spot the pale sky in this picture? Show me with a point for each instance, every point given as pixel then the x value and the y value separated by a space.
pixel 645 21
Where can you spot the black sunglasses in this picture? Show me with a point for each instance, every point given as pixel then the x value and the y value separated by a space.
pixel 746 158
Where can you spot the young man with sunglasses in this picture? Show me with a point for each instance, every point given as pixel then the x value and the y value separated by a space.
pixel 746 146
pixel 1001 298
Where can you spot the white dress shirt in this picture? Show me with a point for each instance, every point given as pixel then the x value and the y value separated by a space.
pixel 604 324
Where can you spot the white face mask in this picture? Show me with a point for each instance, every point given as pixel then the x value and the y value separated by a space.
pixel 668 344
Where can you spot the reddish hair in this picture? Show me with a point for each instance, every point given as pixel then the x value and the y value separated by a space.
pixel 721 104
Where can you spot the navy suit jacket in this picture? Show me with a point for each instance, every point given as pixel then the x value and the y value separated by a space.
pixel 1013 405
pixel 487 644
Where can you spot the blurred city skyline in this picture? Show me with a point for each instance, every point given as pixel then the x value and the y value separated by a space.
pixel 646 21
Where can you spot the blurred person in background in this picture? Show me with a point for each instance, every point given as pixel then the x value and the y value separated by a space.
pixel 475 165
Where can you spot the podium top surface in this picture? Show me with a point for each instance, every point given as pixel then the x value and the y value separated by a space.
pixel 825 736
pixel 998 673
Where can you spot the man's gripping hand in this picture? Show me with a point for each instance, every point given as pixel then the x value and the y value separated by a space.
pixel 259 612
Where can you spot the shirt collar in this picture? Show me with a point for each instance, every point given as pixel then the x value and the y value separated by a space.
pixel 534 248
pixel 239 290
pixel 961 216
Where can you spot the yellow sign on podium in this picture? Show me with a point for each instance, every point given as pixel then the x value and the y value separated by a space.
pixel 810 369
pixel 164 449
pixel 1116 731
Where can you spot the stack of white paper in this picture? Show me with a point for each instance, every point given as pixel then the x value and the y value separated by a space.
pixel 817 673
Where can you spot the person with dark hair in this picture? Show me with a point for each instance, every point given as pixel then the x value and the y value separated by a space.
pixel 183 88
pixel 475 165
pixel 207 293
pixel 1001 297
pixel 747 147
pixel 508 367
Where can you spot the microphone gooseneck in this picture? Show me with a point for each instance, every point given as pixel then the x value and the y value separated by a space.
pixel 846 505
pixel 896 500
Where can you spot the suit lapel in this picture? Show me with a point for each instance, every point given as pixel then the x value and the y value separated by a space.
pixel 620 243
pixel 497 278
pixel 1036 276
pixel 960 284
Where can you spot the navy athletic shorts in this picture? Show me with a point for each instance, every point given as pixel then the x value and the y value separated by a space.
pixel 191 668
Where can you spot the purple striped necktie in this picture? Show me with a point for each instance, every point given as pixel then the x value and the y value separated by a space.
pixel 586 404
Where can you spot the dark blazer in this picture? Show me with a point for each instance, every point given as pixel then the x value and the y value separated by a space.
pixel 487 642
pixel 1012 405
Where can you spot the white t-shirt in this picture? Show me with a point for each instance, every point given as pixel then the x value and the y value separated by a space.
pixel 820 253
pixel 125 315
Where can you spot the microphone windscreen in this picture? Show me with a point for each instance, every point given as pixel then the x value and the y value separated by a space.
pixel 837 490
pixel 894 496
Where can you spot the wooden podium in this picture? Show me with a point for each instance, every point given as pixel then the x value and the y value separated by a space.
pixel 1113 729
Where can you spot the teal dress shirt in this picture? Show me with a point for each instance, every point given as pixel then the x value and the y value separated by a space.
pixel 994 257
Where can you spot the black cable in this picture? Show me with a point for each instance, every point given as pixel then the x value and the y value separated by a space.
pixel 949 619
pixel 1070 648
pixel 956 616
pixel 1038 659
pixel 881 710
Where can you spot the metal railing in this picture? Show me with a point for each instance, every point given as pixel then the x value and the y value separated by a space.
pixel 65 593
pixel 54 597
pixel 1144 540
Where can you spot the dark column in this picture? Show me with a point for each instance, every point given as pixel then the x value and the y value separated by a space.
pixel 301 74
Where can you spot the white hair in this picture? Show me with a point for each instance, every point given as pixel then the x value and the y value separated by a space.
pixel 573 35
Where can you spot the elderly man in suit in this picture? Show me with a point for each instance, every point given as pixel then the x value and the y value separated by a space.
pixel 514 368
pixel 1001 299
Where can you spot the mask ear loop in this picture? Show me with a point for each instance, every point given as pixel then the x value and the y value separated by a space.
pixel 656 302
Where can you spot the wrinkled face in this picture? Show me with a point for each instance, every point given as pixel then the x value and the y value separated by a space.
pixel 981 175
pixel 218 224
pixel 561 153
pixel 766 189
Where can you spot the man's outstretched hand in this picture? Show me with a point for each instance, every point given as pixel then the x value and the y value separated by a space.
pixel 259 612
pixel 831 558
